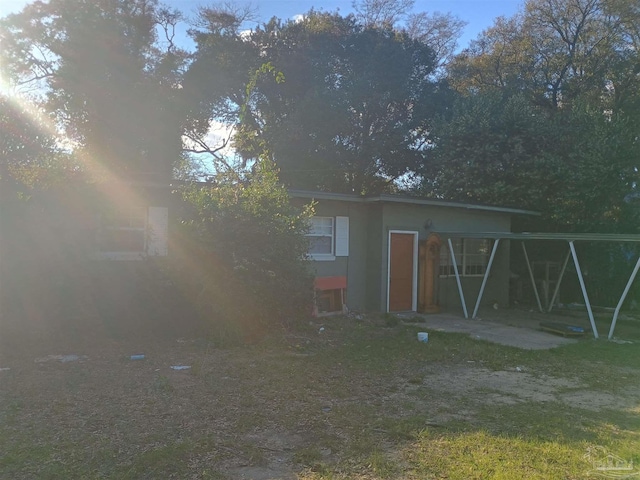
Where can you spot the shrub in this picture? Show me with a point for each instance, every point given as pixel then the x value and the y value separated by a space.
pixel 244 248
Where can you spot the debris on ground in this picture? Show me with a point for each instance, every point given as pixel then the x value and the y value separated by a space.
pixel 61 358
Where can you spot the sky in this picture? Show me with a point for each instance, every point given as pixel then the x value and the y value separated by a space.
pixel 478 13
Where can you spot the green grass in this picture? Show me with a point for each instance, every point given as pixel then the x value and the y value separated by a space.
pixel 524 440
pixel 361 401
pixel 480 455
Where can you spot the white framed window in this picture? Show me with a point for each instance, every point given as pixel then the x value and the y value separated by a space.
pixel 123 231
pixel 132 233
pixel 472 257
pixel 328 238
pixel 321 237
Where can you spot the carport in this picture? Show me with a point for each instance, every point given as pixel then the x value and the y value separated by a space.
pixel 570 238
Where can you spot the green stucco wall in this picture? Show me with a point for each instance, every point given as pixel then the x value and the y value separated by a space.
pixel 366 265
pixel 449 219
pixel 354 266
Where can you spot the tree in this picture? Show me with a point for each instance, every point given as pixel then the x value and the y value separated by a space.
pixel 382 13
pixel 491 150
pixel 341 107
pixel 440 31
pixel 499 60
pixel 216 81
pixel 26 145
pixel 577 166
pixel 557 51
pixel 573 67
pixel 100 67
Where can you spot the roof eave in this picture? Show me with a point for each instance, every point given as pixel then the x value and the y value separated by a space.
pixel 348 197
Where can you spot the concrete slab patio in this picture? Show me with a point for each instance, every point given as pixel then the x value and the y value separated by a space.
pixel 521 337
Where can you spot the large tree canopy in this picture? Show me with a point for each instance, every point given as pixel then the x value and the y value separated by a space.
pixel 99 66
pixel 440 31
pixel 24 140
pixel 340 106
pixel 548 116
pixel 576 166
pixel 557 51
pixel 546 110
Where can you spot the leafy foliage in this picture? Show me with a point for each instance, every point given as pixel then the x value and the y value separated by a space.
pixel 26 146
pixel 251 251
pixel 549 120
pixel 557 51
pixel 111 89
pixel 575 166
pixel 350 113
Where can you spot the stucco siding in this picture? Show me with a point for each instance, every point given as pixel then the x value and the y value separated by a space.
pixel 353 266
pixel 366 266
pixel 375 258
pixel 429 219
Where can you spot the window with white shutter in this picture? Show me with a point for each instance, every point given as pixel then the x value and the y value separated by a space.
pixel 328 237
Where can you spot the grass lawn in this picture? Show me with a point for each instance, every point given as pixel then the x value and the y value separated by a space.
pixel 357 400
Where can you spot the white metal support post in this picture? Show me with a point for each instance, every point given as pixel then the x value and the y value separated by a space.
pixel 584 289
pixel 533 281
pixel 455 271
pixel 622 298
pixel 486 276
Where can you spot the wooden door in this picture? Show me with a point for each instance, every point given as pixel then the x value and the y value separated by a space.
pixel 428 267
pixel 401 272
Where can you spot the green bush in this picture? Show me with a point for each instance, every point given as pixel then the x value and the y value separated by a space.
pixel 243 246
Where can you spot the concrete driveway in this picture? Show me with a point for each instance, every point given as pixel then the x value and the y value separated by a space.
pixel 521 337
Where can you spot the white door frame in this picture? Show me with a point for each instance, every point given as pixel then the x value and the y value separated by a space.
pixel 414 293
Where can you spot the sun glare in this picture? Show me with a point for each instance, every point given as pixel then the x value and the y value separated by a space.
pixel 31 110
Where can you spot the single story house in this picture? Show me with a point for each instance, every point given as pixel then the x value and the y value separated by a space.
pixel 383 253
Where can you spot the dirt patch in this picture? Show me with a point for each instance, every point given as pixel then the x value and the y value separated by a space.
pixel 510 387
pixel 500 386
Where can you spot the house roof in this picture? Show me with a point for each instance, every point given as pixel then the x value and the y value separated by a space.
pixel 388 198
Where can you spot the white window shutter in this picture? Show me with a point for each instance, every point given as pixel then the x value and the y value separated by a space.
pixel 342 236
pixel 158 232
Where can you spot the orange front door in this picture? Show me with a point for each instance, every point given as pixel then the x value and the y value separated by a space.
pixel 401 272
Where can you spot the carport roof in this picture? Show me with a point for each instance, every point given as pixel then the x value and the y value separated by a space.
pixel 567 237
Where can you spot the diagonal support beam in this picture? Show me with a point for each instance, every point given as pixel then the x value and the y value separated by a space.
pixel 584 289
pixel 622 298
pixel 455 270
pixel 486 276
pixel 560 277
pixel 533 281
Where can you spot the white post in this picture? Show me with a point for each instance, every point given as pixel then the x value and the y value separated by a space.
pixel 624 295
pixel 486 276
pixel 584 289
pixel 455 270
pixel 533 281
